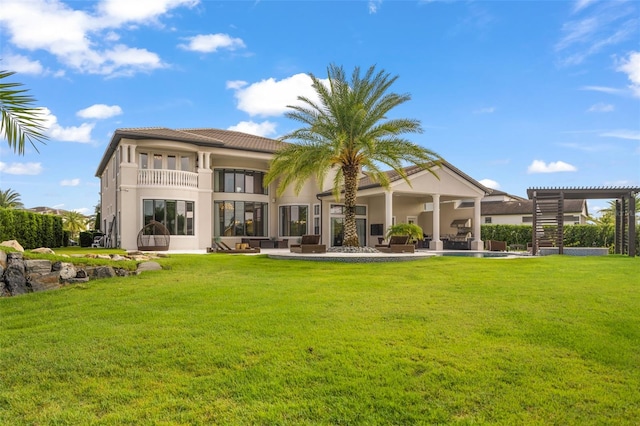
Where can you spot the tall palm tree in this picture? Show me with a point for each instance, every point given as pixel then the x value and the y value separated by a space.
pixel 10 199
pixel 20 120
pixel 348 130
pixel 74 222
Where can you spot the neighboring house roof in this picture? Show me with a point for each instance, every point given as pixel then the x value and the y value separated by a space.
pixel 200 137
pixel 498 193
pixel 498 208
pixel 47 210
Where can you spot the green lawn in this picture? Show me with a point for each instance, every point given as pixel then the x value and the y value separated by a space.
pixel 224 339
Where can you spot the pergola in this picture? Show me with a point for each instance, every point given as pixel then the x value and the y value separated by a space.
pixel 548 210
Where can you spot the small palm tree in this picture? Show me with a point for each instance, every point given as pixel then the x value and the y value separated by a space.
pixel 349 131
pixel 74 222
pixel 20 120
pixel 9 199
pixel 413 231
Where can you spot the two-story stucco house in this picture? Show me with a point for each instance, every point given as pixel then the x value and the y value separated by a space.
pixel 204 184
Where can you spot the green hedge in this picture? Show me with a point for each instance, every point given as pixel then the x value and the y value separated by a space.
pixel 31 230
pixel 574 235
pixel 86 237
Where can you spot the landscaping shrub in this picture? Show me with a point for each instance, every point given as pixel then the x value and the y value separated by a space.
pixel 31 230
pixel 86 237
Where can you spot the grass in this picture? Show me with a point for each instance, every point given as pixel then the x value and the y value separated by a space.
pixel 223 339
pixel 76 255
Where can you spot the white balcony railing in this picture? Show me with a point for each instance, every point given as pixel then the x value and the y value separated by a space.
pixel 154 177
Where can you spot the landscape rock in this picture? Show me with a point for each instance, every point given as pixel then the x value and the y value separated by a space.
pixel 77 280
pixel 13 244
pixel 3 259
pixel 42 282
pixel 15 280
pixel 67 270
pixel 99 272
pixel 148 266
pixel 121 272
pixel 43 250
pixel 37 266
pixel 117 257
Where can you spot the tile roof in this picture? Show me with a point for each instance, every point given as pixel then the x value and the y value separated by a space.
pixel 201 137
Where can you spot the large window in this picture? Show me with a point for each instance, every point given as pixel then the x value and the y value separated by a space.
pixel 240 181
pixel 176 215
pixel 293 220
pixel 240 219
pixel 166 161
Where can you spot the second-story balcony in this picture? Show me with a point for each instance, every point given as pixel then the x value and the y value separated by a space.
pixel 161 177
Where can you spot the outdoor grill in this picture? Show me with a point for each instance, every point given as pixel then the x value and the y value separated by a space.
pixel 464 229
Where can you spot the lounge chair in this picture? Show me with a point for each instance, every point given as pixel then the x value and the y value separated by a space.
pixel 493 245
pixel 221 247
pixel 308 244
pixel 397 244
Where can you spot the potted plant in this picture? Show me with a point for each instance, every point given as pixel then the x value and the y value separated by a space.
pixel 411 229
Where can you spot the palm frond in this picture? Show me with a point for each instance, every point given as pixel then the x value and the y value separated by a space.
pixel 21 121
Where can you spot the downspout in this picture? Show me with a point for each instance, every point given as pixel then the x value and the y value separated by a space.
pixel 321 218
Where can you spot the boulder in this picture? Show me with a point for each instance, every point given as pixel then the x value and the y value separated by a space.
pixel 42 282
pixel 43 250
pixel 67 270
pixel 148 266
pixel 37 266
pixel 15 281
pixel 13 244
pixel 117 257
pixel 98 272
pixel 3 259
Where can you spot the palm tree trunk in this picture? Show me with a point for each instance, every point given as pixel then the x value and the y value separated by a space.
pixel 350 191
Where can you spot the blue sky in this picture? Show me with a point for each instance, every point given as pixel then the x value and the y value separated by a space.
pixel 516 94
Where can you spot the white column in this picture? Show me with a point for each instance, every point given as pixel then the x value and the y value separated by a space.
pixel 388 209
pixel 436 243
pixel 477 243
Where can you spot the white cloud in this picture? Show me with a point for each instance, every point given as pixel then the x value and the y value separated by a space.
pixel 99 111
pixel 83 39
pixel 631 66
pixel 208 43
pixel 122 11
pixel 84 211
pixel 607 24
pixel 21 168
pixel 374 5
pixel 623 134
pixel 266 128
pixel 601 107
pixel 489 183
pixel 603 89
pixel 21 64
pixel 487 110
pixel 236 84
pixel 80 133
pixel 541 167
pixel 582 4
pixel 70 182
pixel 270 97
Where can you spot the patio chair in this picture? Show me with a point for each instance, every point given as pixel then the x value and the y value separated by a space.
pixel 493 245
pixel 308 244
pixel 397 244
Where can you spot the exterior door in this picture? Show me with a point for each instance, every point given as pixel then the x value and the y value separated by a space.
pixel 337 231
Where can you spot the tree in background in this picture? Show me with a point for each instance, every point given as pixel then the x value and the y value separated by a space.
pixel 74 222
pixel 9 199
pixel 348 131
pixel 607 215
pixel 20 120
